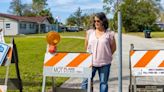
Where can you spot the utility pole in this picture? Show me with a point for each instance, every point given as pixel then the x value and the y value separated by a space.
pixel 119 47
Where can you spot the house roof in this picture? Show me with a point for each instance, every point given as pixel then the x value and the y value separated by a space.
pixel 37 19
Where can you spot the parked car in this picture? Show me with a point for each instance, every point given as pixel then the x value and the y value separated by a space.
pixel 72 29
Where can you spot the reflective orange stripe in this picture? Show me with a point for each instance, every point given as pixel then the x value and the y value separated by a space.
pixel 55 59
pixel 162 64
pixel 78 60
pixel 146 58
pixel 132 52
pixel 9 55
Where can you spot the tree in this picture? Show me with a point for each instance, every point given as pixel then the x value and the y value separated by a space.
pixel 47 13
pixel 146 15
pixel 128 9
pixel 109 6
pixel 38 5
pixel 16 7
pixel 27 10
pixel 86 21
pixel 71 20
pixel 137 14
pixel 78 15
pixel 75 18
pixel 158 4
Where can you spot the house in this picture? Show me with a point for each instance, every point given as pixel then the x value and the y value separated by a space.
pixel 14 25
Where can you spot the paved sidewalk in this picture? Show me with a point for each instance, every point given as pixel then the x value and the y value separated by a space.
pixel 139 43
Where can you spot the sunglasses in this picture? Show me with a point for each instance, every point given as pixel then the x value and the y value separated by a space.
pixel 98 21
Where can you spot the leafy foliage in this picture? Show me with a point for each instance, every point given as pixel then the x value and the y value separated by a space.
pixel 16 7
pixel 38 5
pixel 47 13
pixel 79 19
pixel 109 6
pixel 137 15
pixel 75 18
pixel 71 20
pixel 37 8
pixel 27 10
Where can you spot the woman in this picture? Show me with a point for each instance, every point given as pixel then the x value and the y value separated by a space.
pixel 101 43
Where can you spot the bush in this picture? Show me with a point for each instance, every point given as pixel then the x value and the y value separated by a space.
pixel 155 28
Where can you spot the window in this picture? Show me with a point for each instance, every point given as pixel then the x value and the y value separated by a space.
pixel 8 25
pixel 23 26
pixel 32 26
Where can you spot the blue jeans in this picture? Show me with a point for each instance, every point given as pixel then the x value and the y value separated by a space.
pixel 103 77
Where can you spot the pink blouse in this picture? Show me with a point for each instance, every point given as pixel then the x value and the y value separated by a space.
pixel 100 47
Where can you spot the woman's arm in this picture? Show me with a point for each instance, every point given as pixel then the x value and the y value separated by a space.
pixel 86 40
pixel 113 46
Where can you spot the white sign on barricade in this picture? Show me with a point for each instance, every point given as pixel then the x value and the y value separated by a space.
pixel 4 48
pixel 5 59
pixel 147 62
pixel 3 88
pixel 7 53
pixel 63 64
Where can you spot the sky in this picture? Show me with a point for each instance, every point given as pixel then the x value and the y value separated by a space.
pixel 63 8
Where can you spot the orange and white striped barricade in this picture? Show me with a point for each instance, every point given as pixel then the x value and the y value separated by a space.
pixel 145 63
pixel 64 64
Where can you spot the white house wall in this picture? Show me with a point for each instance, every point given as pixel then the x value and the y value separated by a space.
pixel 13 28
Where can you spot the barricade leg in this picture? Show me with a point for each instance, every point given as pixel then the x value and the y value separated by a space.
pixel 44 84
pixel 53 85
pixel 130 84
pixel 7 74
pixel 89 85
pixel 135 87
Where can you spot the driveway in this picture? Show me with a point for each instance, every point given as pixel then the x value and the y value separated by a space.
pixel 139 43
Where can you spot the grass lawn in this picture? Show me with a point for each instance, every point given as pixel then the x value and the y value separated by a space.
pixel 80 33
pixel 31 52
pixel 153 34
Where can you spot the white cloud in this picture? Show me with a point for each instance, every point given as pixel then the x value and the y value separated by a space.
pixel 26 1
pixel 72 5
